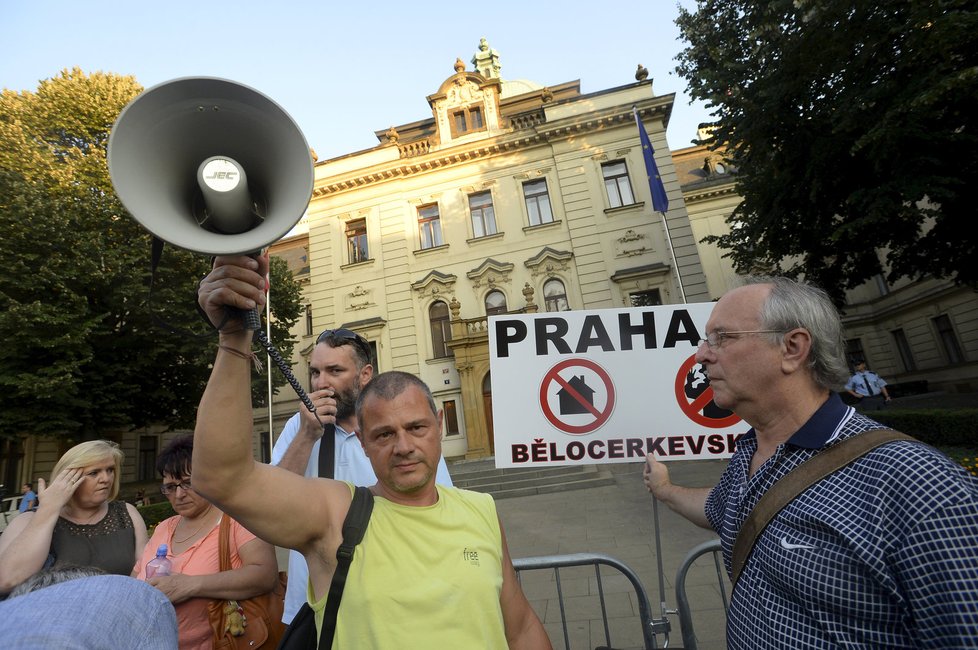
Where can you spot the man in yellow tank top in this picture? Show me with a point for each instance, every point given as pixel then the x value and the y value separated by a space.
pixel 433 569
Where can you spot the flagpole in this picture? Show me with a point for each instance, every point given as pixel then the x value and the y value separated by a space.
pixel 672 252
pixel 660 202
pixel 268 333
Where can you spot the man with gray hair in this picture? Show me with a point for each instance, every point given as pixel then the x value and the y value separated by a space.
pixel 882 553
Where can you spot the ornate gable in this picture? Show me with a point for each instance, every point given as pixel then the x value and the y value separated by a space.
pixel 434 284
pixel 548 261
pixel 490 273
pixel 466 104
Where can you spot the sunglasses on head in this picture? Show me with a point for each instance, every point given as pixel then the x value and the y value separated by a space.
pixel 345 335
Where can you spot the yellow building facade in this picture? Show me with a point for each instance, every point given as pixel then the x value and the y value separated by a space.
pixel 510 197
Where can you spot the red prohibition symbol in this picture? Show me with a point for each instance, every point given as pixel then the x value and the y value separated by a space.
pixel 694 407
pixel 577 398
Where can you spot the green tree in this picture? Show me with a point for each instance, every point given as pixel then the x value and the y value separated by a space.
pixel 853 131
pixel 84 352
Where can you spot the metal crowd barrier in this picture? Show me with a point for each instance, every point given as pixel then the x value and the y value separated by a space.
pixel 711 547
pixel 650 627
pixel 555 563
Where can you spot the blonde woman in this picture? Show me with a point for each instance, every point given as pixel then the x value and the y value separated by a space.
pixel 77 522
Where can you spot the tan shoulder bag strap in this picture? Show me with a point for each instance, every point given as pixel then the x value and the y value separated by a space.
pixel 224 544
pixel 797 481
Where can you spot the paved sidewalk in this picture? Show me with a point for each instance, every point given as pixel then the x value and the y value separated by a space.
pixel 617 521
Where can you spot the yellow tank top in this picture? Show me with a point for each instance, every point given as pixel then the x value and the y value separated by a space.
pixel 427 577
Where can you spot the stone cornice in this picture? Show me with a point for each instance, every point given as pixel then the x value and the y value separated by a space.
pixel 695 195
pixel 473 151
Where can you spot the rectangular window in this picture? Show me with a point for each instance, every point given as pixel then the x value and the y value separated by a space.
pixel 949 340
pixel 903 347
pixel 537 202
pixel 308 320
pixel 146 468
pixel 356 241
pixel 429 226
pixel 616 183
pixel 467 120
pixel 451 418
pixel 460 124
pixel 854 351
pixel 647 298
pixel 373 356
pixel 483 215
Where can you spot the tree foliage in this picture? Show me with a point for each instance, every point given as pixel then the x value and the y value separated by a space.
pixel 853 130
pixel 84 353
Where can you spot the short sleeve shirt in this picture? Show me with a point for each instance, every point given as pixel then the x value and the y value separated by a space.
pixel 881 554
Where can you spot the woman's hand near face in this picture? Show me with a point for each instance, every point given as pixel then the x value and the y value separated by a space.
pixel 61 490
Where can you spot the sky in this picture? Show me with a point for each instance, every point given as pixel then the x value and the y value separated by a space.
pixel 344 70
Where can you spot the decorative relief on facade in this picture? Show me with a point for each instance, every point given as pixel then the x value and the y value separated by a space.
pixel 359 299
pixel 535 173
pixel 600 157
pixel 454 307
pixel 434 284
pixel 631 243
pixel 425 200
pixel 462 93
pixel 549 262
pixel 491 273
pixel 492 117
pixel 477 187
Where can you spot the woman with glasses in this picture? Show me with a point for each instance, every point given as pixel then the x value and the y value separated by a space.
pixel 77 521
pixel 192 538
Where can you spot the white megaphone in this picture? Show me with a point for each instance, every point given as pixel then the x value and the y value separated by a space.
pixel 210 165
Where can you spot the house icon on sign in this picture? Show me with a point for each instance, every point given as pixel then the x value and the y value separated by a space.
pixel 569 404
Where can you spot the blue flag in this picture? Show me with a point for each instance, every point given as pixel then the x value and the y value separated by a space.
pixel 660 202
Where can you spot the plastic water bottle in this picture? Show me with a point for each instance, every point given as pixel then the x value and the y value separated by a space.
pixel 159 565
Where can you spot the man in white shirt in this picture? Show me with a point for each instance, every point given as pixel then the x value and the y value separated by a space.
pixel 339 368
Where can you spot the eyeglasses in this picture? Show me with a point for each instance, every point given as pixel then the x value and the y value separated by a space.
pixel 346 335
pixel 715 339
pixel 169 488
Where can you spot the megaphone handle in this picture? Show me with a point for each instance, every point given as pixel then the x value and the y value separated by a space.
pixel 251 319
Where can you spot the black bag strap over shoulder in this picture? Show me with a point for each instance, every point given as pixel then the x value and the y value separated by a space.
pixel 797 481
pixel 354 526
pixel 301 634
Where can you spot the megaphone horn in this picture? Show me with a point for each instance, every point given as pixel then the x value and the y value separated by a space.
pixel 210 165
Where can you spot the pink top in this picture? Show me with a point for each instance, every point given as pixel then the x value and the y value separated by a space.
pixel 193 626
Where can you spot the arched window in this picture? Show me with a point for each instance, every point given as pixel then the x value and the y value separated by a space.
pixel 555 296
pixel 441 329
pixel 495 303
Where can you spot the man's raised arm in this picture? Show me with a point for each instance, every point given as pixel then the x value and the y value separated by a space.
pixel 261 497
